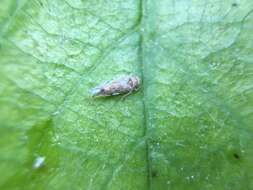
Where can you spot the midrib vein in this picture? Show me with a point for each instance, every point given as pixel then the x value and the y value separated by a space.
pixel 143 14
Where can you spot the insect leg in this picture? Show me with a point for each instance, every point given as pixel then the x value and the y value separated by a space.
pixel 137 88
pixel 125 95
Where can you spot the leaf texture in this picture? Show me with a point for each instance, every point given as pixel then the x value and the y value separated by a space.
pixel 188 127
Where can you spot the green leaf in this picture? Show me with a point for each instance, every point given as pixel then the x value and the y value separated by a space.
pixel 188 127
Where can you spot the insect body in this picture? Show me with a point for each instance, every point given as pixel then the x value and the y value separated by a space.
pixel 121 85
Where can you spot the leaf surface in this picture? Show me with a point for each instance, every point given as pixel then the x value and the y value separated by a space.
pixel 188 127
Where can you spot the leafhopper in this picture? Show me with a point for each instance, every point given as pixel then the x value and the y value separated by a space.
pixel 121 85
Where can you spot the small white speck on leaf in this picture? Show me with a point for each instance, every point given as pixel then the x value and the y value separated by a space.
pixel 39 162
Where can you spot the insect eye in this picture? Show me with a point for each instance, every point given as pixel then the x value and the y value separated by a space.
pixel 130 82
pixel 102 90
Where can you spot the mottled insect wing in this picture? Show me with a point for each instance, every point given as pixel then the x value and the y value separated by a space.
pixel 123 81
pixel 95 91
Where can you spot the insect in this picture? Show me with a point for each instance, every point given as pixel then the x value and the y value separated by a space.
pixel 122 85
